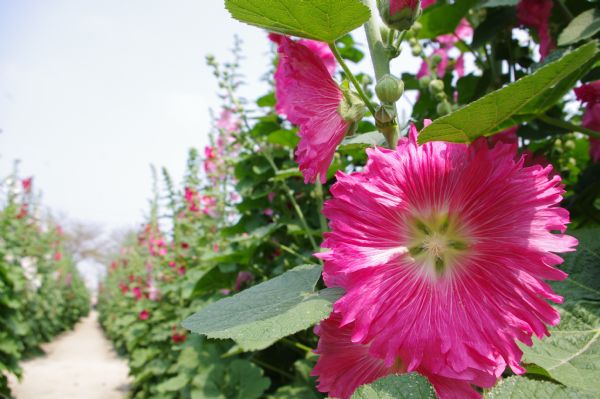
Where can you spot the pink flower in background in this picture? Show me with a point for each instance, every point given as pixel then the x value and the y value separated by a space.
pixel 399 5
pixel 243 279
pixel 427 3
pixel 58 256
pixel 344 365
pixel 215 247
pixel 181 270
pixel 535 14
pixel 178 337
pixel 124 288
pixel 209 205
pixel 271 196
pixel 268 212
pixel 310 98
pixel 228 122
pixel 26 184
pixel 590 95
pixel 463 31
pixel 441 68
pixel 424 233
pixel 153 291
pixel 191 198
pixel 144 315
pixel 137 293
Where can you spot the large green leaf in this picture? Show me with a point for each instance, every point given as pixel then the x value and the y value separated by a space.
pixel 521 387
pixel 259 316
pixel 324 20
pixel 516 103
pixel 406 386
pixel 584 26
pixel 443 18
pixel 571 355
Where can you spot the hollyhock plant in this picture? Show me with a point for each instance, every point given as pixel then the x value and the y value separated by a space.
pixel 344 365
pixel 442 250
pixel 590 95
pixel 228 122
pixel 310 98
pixel 536 14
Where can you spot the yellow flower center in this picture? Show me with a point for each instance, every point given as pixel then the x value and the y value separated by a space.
pixel 435 242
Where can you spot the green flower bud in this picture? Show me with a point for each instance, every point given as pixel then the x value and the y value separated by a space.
pixel 416 27
pixel 440 96
pixel 416 50
pixel 385 114
pixel 436 86
pixel 569 145
pixel 351 108
pixel 424 81
pixel 389 89
pixel 436 59
pixel 399 14
pixel 444 108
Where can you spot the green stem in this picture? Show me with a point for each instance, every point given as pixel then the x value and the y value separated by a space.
pixel 272 368
pixel 298 345
pixel 319 196
pixel 565 10
pixel 569 126
pixel 351 77
pixel 380 59
pixel 400 39
pixel 295 253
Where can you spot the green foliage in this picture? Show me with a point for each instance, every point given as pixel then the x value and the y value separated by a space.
pixel 520 387
pixel 518 102
pixel 443 18
pixel 260 316
pixel 324 20
pixel 582 27
pixel 407 386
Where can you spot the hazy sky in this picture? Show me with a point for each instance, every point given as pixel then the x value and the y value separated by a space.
pixel 93 92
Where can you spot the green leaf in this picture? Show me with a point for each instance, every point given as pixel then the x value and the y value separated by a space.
pixel 406 386
pixel 248 378
pixel 521 387
pixel 288 138
pixel 173 384
pixel 259 316
pixel 516 103
pixel 498 3
pixel 324 20
pixel 584 26
pixel 571 355
pixel 362 141
pixel 441 19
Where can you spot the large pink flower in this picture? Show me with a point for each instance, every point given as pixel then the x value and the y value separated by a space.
pixel 310 98
pixel 590 94
pixel 344 365
pixel 442 250
pixel 536 14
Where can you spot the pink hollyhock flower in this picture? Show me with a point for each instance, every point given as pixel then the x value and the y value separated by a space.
pixel 181 270
pixel 590 94
pixel 399 5
pixel 344 365
pixel 178 338
pixel 442 250
pixel 144 315
pixel 228 122
pixel 463 31
pixel 124 288
pixel 271 196
pixel 58 256
pixel 137 293
pixel 459 67
pixel 268 212
pixel 441 68
pixel 508 136
pixel 191 198
pixel 427 3
pixel 310 98
pixel 536 14
pixel 26 184
pixel 242 280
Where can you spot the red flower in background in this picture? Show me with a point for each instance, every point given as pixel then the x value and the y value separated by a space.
pixel 26 184
pixel 144 315
pixel 536 14
pixel 57 256
pixel 590 94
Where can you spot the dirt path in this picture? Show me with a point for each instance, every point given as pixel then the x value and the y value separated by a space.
pixel 79 364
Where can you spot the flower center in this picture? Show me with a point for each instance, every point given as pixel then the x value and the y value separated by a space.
pixel 436 242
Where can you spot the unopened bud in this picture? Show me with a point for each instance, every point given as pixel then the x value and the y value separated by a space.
pixel 444 108
pixel 351 108
pixel 436 86
pixel 399 14
pixel 385 114
pixel 389 89
pixel 436 59
pixel 424 81
pixel 416 50
pixel 440 96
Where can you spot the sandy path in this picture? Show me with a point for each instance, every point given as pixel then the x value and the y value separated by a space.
pixel 79 364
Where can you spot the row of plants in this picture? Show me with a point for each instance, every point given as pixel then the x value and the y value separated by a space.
pixel 41 291
pixel 420 249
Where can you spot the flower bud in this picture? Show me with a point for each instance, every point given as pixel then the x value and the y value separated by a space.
pixel 444 108
pixel 389 89
pixel 436 59
pixel 351 108
pixel 436 86
pixel 424 81
pixel 399 14
pixel 416 50
pixel 385 114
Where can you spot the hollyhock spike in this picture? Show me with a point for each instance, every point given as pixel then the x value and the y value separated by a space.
pixel 423 233
pixel 310 98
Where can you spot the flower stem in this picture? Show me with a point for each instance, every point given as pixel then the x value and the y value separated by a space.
pixel 352 78
pixel 319 197
pixel 565 10
pixel 380 59
pixel 569 126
